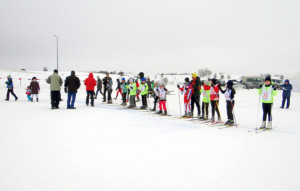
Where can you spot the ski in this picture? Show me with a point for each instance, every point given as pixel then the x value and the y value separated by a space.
pixel 262 130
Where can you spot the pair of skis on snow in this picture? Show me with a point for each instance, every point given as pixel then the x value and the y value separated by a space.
pixel 257 130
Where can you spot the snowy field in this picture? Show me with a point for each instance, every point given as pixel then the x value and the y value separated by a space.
pixel 108 148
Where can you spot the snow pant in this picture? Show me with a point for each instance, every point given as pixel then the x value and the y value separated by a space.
pixel 71 100
pixel 29 97
pixel 90 94
pixel 144 100
pixel 35 95
pixel 162 105
pixel 195 99
pixel 12 93
pixel 155 102
pixel 215 107
pixel 132 100
pixel 137 95
pixel 187 105
pixel 98 90
pixel 119 91
pixel 205 109
pixel 55 98
pixel 267 109
pixel 229 106
pixel 124 96
pixel 287 103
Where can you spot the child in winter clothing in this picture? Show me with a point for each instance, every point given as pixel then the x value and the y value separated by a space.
pixel 196 86
pixel 118 89
pixel 214 97
pixel 35 88
pixel 10 88
pixel 124 87
pixel 229 96
pixel 28 93
pixel 267 92
pixel 162 94
pixel 187 90
pixel 206 100
pixel 144 92
pixel 90 84
pixel 132 89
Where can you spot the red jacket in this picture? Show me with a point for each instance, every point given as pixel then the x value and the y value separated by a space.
pixel 90 83
pixel 214 93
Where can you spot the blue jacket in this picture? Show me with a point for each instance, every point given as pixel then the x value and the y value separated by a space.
pixel 9 83
pixel 287 88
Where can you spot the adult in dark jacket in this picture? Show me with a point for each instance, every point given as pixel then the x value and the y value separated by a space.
pixel 196 85
pixel 55 82
pixel 107 82
pixel 35 88
pixel 286 94
pixel 10 88
pixel 90 84
pixel 72 84
pixel 99 87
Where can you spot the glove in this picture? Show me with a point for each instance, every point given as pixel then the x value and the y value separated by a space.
pixel 66 90
pixel 186 88
pixel 178 86
pixel 274 87
pixel 260 86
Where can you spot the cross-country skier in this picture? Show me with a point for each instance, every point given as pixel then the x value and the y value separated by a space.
pixel 132 92
pixel 214 99
pixel 196 85
pixel 28 93
pixel 229 96
pixel 144 92
pixel 118 89
pixel 206 100
pixel 267 92
pixel 162 94
pixel 155 95
pixel 124 87
pixel 187 90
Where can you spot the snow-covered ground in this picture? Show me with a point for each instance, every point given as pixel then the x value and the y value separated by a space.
pixel 113 149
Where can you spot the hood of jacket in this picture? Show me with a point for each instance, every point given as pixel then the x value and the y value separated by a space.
pixel 91 75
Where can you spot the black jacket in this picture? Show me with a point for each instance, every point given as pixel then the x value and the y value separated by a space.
pixel 72 83
pixel 196 86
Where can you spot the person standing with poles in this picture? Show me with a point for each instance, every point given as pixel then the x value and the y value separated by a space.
pixel 214 99
pixel 72 84
pixel 144 92
pixel 286 93
pixel 10 88
pixel 186 89
pixel 205 101
pixel 55 82
pixel 196 85
pixel 107 82
pixel 229 96
pixel 267 92
pixel 99 87
pixel 124 87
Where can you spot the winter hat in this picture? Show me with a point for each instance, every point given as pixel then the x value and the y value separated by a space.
pixel 55 71
pixel 214 81
pixel 194 75
pixel 34 78
pixel 141 74
pixel 123 79
pixel 206 82
pixel 230 83
pixel 131 80
pixel 143 79
pixel 163 85
pixel 288 81
pixel 9 76
pixel 72 73
pixel 268 78
pixel 186 79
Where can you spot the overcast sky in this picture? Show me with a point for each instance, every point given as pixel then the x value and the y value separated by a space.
pixel 233 36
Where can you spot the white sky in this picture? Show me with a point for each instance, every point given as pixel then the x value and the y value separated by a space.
pixel 241 37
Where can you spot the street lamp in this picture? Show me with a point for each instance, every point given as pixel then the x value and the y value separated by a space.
pixel 56 50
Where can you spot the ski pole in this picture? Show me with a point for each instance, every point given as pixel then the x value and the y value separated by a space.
pixel 233 114
pixel 257 111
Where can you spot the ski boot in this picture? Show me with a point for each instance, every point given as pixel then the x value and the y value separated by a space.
pixel 263 125
pixel 185 115
pixel 227 122
pixel 165 113
pixel 189 115
pixel 159 112
pixel 230 123
pixel 201 118
pixel 212 119
pixel 109 102
pixel 269 127
pixel 219 120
